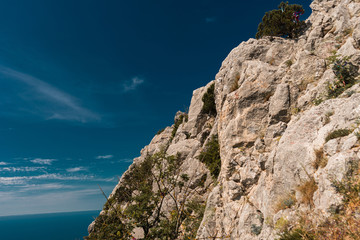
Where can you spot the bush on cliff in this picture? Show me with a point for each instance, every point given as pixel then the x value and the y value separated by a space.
pixel 211 156
pixel 208 99
pixel 282 22
pixel 155 196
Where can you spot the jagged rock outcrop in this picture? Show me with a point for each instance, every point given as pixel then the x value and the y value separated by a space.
pixel 273 122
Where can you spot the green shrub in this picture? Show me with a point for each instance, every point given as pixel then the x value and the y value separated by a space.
pixel 195 212
pixel 177 125
pixel 208 99
pixel 211 156
pixel 281 22
pixel 138 204
pixel 109 227
pixel 317 101
pixel 160 131
pixel 345 73
pixel 338 133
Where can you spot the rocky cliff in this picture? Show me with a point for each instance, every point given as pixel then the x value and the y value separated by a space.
pixel 287 125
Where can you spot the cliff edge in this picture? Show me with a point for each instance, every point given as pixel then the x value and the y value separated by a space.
pixel 287 127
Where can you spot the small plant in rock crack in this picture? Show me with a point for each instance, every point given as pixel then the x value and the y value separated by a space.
pixel 338 133
pixel 289 63
pixel 256 230
pixel 286 201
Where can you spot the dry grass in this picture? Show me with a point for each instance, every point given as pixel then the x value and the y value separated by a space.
pixel 307 190
pixel 235 84
pixel 272 61
pixel 303 85
pixel 285 201
pixel 343 224
pixel 320 160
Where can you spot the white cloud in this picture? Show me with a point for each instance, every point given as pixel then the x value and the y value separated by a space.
pixel 76 169
pixel 59 104
pixel 3 163
pixel 105 157
pixel 21 169
pixel 132 84
pixel 42 161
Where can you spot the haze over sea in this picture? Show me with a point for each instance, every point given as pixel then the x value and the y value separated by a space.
pixel 50 226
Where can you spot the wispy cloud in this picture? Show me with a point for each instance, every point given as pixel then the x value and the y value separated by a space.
pixel 45 186
pixel 42 161
pixel 132 84
pixel 20 180
pixel 3 163
pixel 210 19
pixel 105 157
pixel 24 179
pixel 59 105
pixel 126 160
pixel 21 169
pixel 76 169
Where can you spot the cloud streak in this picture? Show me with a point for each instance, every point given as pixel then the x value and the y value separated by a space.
pixel 132 84
pixel 76 169
pixel 42 161
pixel 21 169
pixel 20 180
pixel 105 157
pixel 63 105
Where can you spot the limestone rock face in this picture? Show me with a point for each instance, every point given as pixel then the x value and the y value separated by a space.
pixel 269 129
pixel 273 119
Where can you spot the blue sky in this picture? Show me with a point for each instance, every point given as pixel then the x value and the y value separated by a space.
pixel 86 84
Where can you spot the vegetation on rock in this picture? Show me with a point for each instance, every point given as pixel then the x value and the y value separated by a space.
pixel 282 22
pixel 177 123
pixel 284 202
pixel 209 106
pixel 344 221
pixel 338 133
pixel 345 73
pixel 211 156
pixel 154 196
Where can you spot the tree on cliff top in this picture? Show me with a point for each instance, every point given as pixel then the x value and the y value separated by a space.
pixel 282 22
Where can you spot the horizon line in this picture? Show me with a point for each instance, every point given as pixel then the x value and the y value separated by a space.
pixel 45 213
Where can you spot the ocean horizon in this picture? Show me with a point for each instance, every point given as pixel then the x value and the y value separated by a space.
pixel 47 226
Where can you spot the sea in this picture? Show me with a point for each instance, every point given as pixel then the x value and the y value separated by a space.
pixel 49 226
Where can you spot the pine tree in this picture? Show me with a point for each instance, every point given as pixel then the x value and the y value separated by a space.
pixel 282 22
